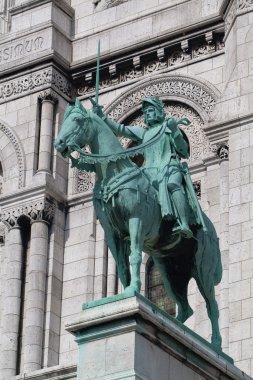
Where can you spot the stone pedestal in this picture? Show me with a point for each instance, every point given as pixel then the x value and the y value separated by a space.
pixel 130 338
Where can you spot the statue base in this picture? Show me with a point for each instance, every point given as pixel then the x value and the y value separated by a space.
pixel 130 338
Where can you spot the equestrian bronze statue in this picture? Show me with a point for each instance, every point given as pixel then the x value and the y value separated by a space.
pixel 150 209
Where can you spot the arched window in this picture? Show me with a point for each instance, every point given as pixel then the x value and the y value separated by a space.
pixel 155 290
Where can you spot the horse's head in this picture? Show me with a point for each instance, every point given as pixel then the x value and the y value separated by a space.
pixel 76 130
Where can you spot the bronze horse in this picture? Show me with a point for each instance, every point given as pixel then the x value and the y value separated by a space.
pixel 126 205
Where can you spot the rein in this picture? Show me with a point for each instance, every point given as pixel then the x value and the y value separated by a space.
pixel 90 158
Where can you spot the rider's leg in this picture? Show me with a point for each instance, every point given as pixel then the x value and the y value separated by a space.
pixel 180 204
pixel 179 200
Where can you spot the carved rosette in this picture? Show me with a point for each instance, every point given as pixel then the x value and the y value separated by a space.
pixel 40 210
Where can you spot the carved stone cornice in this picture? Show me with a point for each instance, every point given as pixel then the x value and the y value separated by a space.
pixel 36 81
pixel 40 209
pixel 49 95
pixel 168 58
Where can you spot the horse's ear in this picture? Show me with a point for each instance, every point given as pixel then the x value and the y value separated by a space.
pixel 67 112
pixel 79 105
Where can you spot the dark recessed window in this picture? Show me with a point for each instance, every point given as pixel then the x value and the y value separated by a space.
pixel 156 292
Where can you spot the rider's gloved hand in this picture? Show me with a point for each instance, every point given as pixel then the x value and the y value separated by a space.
pixel 97 109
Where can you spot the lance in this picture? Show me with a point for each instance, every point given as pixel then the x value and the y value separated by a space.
pixel 95 102
pixel 97 73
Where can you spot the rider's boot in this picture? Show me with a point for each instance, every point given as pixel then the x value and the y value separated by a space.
pixel 181 207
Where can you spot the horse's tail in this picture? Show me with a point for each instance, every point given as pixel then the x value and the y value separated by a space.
pixel 208 256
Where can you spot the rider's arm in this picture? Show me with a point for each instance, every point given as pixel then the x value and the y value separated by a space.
pixel 131 132
pixel 180 143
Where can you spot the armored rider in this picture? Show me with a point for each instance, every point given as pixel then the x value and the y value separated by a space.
pixel 162 160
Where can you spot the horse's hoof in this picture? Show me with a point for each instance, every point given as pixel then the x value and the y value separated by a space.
pixel 131 291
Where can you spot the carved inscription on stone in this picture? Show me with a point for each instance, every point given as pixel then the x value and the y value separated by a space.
pixel 20 49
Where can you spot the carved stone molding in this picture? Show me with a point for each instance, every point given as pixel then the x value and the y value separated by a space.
pixel 41 209
pixel 38 80
pixel 104 4
pixel 48 94
pixel 19 152
pixel 182 88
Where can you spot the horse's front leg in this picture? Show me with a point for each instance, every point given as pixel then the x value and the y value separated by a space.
pixel 136 244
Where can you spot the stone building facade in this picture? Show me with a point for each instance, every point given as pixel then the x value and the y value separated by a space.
pixel 197 55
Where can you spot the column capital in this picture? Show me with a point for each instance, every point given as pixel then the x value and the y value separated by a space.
pixel 48 95
pixel 40 209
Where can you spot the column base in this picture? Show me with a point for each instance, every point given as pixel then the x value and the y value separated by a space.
pixel 130 338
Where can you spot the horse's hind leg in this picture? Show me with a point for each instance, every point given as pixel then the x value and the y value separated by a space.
pixel 136 244
pixel 208 294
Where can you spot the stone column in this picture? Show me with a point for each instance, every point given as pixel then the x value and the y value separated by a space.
pixel 12 302
pixel 41 216
pixel 222 151
pixel 48 98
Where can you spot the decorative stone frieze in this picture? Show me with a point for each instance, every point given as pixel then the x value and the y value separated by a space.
pixel 27 84
pixel 168 58
pixel 41 209
pixel 18 150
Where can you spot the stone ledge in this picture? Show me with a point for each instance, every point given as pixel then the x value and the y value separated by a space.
pixel 129 320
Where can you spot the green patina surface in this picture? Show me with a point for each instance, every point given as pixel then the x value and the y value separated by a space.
pixel 153 208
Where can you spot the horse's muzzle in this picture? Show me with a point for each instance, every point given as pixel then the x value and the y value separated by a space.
pixel 61 147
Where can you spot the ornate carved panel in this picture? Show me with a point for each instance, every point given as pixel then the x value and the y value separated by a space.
pixel 38 80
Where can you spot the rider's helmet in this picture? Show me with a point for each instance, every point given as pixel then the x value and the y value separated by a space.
pixel 157 104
